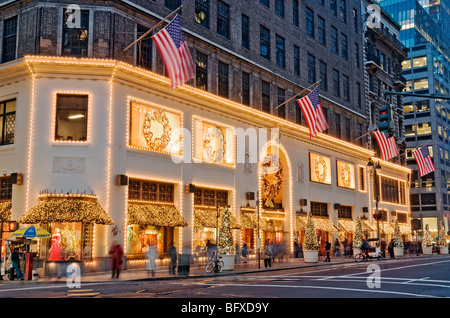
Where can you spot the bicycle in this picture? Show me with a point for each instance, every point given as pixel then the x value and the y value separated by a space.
pixel 215 262
pixel 364 256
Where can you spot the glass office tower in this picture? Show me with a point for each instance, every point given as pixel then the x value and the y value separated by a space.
pixel 427 120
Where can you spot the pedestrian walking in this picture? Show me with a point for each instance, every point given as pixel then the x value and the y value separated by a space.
pixel 327 250
pixel 391 249
pixel 337 247
pixel 296 248
pixel 151 255
pixel 173 259
pixel 116 253
pixel 15 258
pixel 383 245
pixel 268 253
pixel 244 252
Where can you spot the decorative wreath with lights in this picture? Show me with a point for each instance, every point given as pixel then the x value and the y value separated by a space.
pixel 157 143
pixel 320 169
pixel 214 145
pixel 346 176
pixel 269 190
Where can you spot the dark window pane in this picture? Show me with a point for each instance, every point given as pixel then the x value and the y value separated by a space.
pixel 9 39
pixel 71 117
pixel 75 39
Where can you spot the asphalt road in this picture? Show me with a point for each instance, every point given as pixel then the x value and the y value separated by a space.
pixel 418 278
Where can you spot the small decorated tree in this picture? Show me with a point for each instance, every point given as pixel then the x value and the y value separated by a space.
pixel 359 235
pixel 397 239
pixel 225 244
pixel 442 237
pixel 310 243
pixel 426 240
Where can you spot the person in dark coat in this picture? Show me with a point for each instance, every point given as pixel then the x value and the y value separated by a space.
pixel 15 258
pixel 244 252
pixel 173 259
pixel 116 253
pixel 391 249
pixel 327 249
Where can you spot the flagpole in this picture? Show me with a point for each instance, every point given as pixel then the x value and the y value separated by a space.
pixel 298 94
pixel 153 28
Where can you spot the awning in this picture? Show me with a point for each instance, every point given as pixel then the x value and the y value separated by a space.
pixel 405 228
pixel 208 218
pixel 348 226
pixel 386 228
pixel 5 211
pixel 250 221
pixel 155 215
pixel 366 226
pixel 66 210
pixel 320 223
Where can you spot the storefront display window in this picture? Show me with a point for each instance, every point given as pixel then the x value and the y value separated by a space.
pixel 139 237
pixel 70 241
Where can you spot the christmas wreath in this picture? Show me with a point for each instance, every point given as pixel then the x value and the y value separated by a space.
pixel 157 143
pixel 214 144
pixel 271 165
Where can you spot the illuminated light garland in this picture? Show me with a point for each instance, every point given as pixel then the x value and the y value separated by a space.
pixel 30 135
pixel 360 182
pixel 155 215
pixel 5 211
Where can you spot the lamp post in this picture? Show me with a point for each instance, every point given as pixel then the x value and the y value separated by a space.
pixel 376 167
pixel 216 257
pixel 258 239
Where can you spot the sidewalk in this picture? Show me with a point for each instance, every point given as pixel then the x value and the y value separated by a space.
pixel 198 270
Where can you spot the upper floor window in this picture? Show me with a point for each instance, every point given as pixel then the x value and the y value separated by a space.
pixel 279 7
pixel 295 18
pixel 310 22
pixel 172 4
pixel 264 42
pixel 223 19
pixel 144 50
pixel 343 11
pixel 201 71
pixel 280 51
pixel 245 32
pixel 265 3
pixel 71 117
pixel 9 39
pixel 202 13
pixel 5 188
pixel 223 81
pixel 7 121
pixel 75 34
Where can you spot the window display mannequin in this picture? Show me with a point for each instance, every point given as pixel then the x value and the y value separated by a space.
pixel 55 249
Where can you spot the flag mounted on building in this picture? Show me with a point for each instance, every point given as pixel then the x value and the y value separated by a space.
pixel 424 161
pixel 388 146
pixel 175 53
pixel 313 112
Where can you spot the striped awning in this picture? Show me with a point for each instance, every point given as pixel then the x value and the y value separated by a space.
pixel 366 226
pixel 5 211
pixel 208 218
pixel 348 226
pixel 405 228
pixel 320 223
pixel 386 228
pixel 155 215
pixel 250 221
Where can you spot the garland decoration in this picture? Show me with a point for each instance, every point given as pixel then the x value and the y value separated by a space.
pixel 271 166
pixel 320 169
pixel 157 143
pixel 214 144
pixel 346 176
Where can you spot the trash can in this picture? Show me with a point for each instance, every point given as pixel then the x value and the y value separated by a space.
pixel 184 264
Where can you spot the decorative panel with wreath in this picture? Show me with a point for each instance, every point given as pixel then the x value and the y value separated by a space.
pixel 320 168
pixel 213 142
pixel 155 129
pixel 345 174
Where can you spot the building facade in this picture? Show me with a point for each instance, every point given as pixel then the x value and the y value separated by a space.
pixel 426 121
pixel 106 151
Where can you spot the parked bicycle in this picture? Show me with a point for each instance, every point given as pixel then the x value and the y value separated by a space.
pixel 215 262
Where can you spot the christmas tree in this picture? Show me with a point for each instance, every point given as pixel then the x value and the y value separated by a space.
pixel 357 242
pixel 311 243
pixel 225 244
pixel 442 237
pixel 426 241
pixel 396 238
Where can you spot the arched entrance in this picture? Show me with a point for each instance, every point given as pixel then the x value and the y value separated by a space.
pixel 275 197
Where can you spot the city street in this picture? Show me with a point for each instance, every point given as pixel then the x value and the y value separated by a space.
pixel 400 278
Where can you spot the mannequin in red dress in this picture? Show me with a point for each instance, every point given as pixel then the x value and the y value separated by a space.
pixel 55 250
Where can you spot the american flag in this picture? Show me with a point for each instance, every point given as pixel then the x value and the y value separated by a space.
pixel 424 161
pixel 175 53
pixel 313 112
pixel 388 146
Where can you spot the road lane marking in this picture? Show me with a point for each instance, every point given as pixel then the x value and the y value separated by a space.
pixel 314 287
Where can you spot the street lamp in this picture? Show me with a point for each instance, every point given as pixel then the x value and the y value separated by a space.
pixel 216 260
pixel 377 215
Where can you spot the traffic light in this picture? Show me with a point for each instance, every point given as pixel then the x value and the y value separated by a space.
pixel 13 226
pixel 386 123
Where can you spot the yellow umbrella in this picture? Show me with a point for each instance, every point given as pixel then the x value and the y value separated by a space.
pixel 31 231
